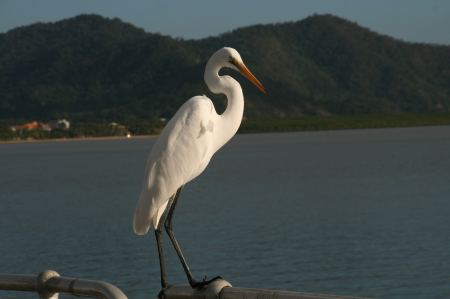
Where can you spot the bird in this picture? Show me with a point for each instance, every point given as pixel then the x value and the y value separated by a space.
pixel 183 150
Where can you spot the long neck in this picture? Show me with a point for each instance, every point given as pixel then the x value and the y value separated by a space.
pixel 229 121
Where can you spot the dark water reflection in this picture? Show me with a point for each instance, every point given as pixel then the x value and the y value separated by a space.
pixel 361 212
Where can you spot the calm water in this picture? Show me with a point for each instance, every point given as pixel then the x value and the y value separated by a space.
pixel 361 212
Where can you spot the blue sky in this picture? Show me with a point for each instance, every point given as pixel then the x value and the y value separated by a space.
pixel 411 20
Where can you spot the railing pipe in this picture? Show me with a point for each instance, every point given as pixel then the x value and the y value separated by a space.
pixel 48 284
pixel 241 293
pixel 221 289
pixel 14 282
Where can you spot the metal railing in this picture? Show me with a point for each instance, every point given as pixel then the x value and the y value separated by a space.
pixel 221 289
pixel 48 284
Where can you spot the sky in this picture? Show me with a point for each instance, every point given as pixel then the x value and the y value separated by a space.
pixel 410 20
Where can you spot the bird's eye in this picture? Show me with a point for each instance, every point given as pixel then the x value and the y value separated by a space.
pixel 232 60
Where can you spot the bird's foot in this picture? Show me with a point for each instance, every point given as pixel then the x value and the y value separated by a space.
pixel 163 289
pixel 200 284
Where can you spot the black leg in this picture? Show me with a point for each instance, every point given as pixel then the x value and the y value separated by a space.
pixel 159 242
pixel 168 225
pixel 162 266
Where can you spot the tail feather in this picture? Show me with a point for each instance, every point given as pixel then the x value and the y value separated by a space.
pixel 142 217
pixel 146 216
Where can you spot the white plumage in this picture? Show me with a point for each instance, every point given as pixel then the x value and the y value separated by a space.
pixel 191 137
pixel 181 153
pixel 184 149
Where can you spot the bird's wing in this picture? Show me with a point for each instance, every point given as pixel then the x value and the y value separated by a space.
pixel 181 153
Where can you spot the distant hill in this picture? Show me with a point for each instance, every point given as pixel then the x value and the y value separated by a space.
pixel 94 68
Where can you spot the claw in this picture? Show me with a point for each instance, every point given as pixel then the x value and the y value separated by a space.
pixel 161 294
pixel 201 284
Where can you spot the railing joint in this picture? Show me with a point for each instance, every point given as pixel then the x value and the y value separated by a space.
pixel 41 284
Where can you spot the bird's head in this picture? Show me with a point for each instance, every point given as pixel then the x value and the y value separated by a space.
pixel 230 58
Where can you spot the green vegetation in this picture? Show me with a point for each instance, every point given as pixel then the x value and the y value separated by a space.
pixel 313 123
pixel 93 71
pixel 82 130
pixel 256 125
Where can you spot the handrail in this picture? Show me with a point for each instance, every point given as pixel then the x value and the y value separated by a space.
pixel 48 284
pixel 221 289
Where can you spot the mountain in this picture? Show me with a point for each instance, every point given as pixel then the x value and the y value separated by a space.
pixel 93 68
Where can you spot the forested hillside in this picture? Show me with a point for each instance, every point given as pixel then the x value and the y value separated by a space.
pixel 91 68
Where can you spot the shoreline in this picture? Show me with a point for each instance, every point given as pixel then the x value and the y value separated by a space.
pixel 244 132
pixel 76 139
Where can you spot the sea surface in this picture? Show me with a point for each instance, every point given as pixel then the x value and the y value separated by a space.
pixel 356 212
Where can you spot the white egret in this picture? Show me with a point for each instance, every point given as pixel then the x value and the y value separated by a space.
pixel 184 149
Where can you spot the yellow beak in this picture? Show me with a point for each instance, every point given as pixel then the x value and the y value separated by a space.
pixel 249 75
